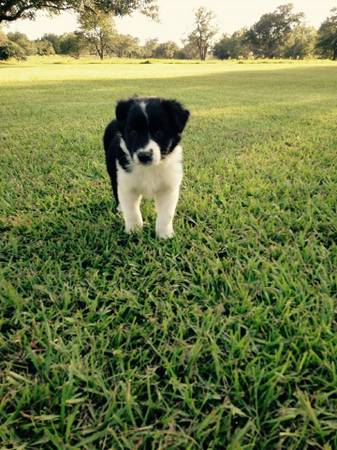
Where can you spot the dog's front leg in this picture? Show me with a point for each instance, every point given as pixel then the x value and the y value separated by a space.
pixel 130 207
pixel 166 202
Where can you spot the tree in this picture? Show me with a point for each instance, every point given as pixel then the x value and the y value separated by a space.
pixel 22 41
pixel 9 49
pixel 71 44
pixel 125 46
pixel 166 50
pixel 54 39
pixel 44 47
pixel 149 48
pixel 234 46
pixel 203 33
pixel 268 36
pixel 222 48
pixel 327 36
pixel 189 51
pixel 301 42
pixel 11 10
pixel 98 30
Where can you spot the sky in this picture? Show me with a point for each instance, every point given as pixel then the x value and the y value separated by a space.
pixel 176 18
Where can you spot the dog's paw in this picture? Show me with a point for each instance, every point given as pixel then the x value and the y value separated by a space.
pixel 165 233
pixel 133 227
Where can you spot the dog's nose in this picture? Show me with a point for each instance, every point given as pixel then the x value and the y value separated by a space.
pixel 145 157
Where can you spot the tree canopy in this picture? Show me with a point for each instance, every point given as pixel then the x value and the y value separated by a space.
pixel 300 43
pixel 327 36
pixel 269 34
pixel 234 46
pixel 22 40
pixel 125 46
pixel 54 39
pixel 71 44
pixel 166 50
pixel 11 10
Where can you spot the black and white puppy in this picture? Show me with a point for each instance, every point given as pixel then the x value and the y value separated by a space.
pixel 144 158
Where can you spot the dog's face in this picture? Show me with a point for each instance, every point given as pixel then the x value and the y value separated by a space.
pixel 151 127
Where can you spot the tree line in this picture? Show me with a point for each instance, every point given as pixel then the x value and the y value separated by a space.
pixel 281 33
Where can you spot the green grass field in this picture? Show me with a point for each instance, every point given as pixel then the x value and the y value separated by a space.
pixel 221 338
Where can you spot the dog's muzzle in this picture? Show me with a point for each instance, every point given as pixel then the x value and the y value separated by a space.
pixel 145 157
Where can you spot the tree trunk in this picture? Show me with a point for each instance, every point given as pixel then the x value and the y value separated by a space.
pixel 200 51
pixel 335 54
pixel 101 50
pixel 204 53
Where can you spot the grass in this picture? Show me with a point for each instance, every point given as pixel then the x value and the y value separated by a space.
pixel 37 60
pixel 223 337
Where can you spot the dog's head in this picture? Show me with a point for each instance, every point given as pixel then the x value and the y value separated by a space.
pixel 151 127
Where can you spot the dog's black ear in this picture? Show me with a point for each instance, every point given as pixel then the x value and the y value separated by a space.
pixel 122 111
pixel 178 114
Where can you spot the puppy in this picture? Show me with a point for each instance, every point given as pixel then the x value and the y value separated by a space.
pixel 144 158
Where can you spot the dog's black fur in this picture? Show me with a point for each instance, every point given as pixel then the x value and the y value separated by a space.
pixel 163 122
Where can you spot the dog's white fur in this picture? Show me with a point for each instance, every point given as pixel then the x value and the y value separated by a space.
pixel 161 180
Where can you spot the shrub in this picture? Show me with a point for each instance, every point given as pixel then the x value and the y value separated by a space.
pixel 9 49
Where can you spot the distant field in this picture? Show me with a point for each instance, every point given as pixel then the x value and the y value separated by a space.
pixel 223 337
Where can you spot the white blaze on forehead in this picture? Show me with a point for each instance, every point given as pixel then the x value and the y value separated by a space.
pixel 143 108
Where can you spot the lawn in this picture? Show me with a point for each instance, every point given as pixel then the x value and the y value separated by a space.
pixel 224 336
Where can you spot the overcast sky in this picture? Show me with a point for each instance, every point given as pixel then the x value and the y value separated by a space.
pixel 176 18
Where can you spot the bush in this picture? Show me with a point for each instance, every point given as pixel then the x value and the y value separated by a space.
pixel 9 49
pixel 22 41
pixel 44 47
pixel 166 50
pixel 71 44
pixel 54 40
pixel 234 46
